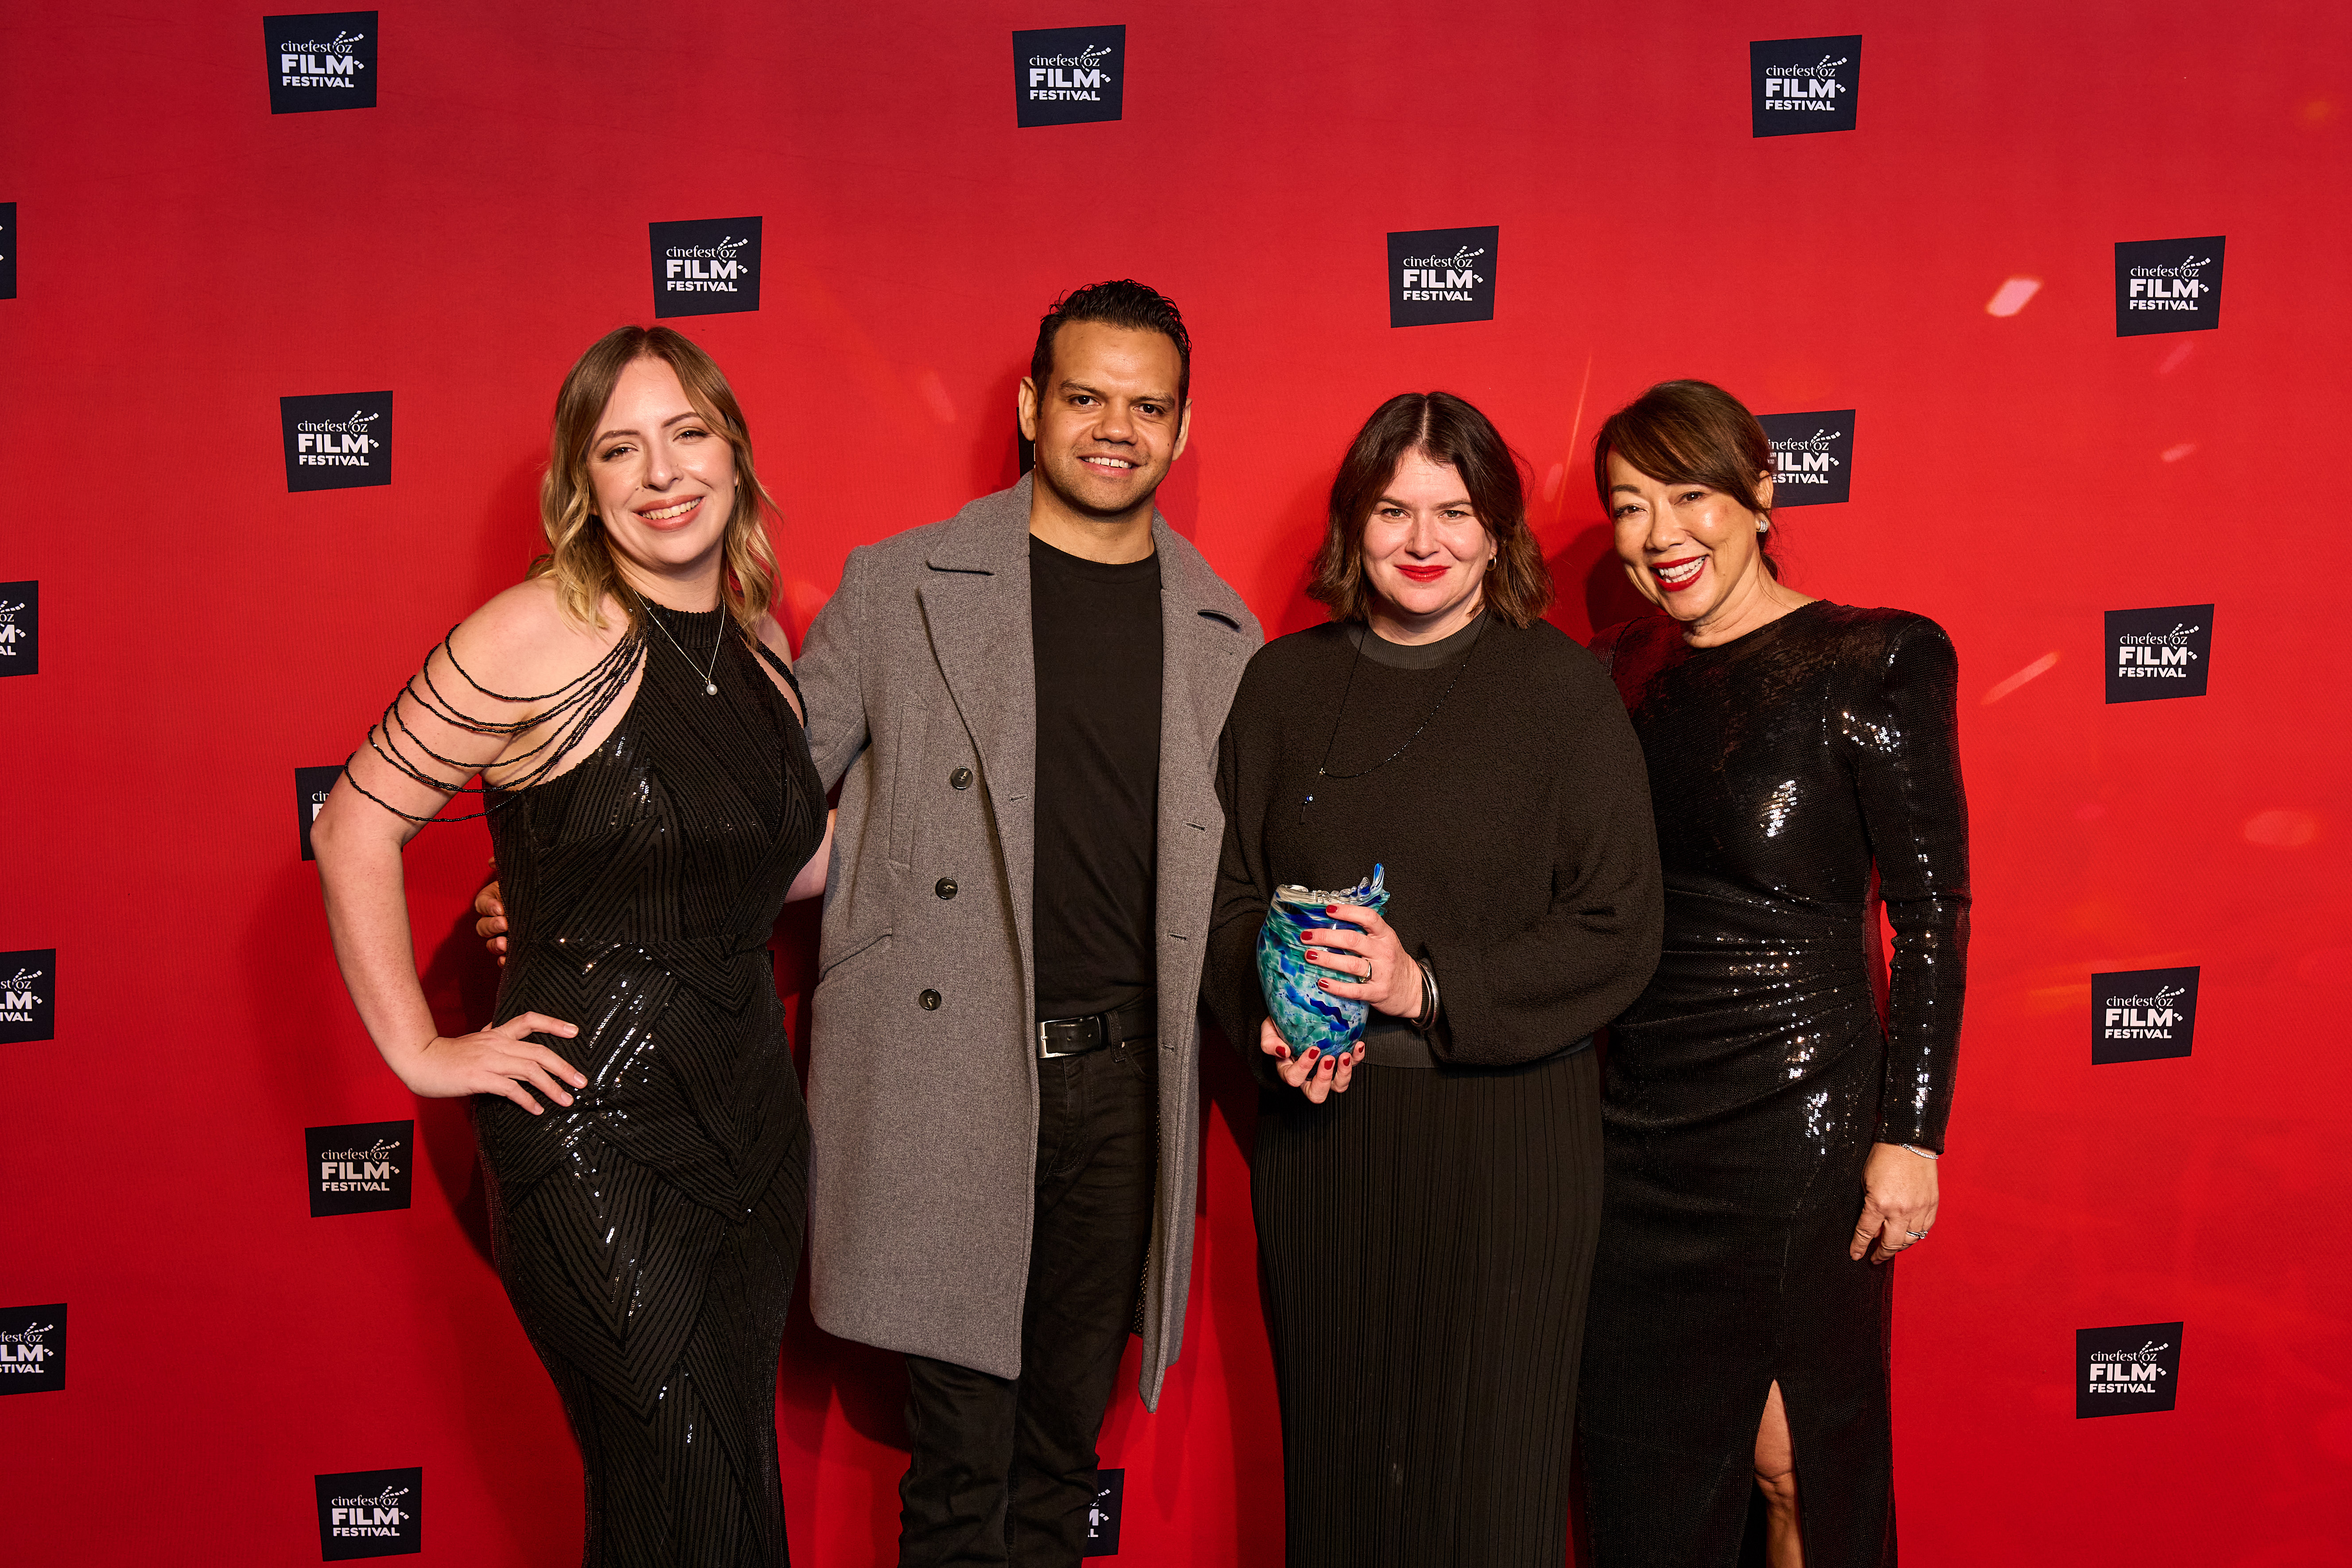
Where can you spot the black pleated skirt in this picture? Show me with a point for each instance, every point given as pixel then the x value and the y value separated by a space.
pixel 1426 1244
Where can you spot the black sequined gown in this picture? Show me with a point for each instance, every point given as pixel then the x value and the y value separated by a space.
pixel 648 1234
pixel 1743 1090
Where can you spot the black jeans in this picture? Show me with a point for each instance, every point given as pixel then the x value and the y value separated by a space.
pixel 1003 1468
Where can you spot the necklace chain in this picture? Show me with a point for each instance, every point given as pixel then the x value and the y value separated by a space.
pixel 1322 770
pixel 709 685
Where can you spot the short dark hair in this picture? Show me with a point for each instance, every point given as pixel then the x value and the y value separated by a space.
pixel 1122 303
pixel 1445 429
pixel 1690 432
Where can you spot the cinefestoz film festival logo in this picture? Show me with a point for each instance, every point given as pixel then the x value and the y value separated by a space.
pixel 1438 275
pixel 20 629
pixel 1803 85
pixel 2167 286
pixel 1102 1515
pixel 311 788
pixel 1812 455
pixel 1068 76
pixel 360 1167
pixel 33 1349
pixel 2126 1370
pixel 706 267
pixel 337 440
pixel 323 60
pixel 2162 652
pixel 371 1513
pixel 28 995
pixel 2142 1015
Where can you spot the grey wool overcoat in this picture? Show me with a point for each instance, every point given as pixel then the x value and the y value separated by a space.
pixel 922 690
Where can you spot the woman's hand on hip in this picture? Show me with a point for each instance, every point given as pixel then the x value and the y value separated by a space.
pixel 1898 1203
pixel 495 1061
pixel 1367 966
pixel 1313 1074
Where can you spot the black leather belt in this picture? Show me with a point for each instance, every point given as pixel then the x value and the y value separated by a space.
pixel 1138 1020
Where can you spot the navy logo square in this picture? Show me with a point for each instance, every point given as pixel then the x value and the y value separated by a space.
pixel 1102 1517
pixel 2163 652
pixel 2142 1015
pixel 20 629
pixel 2167 286
pixel 7 250
pixel 1812 455
pixel 362 1167
pixel 33 1349
pixel 706 267
pixel 1803 85
pixel 337 440
pixel 28 995
pixel 323 60
pixel 1439 274
pixel 311 787
pixel 371 1513
pixel 1068 76
pixel 2126 1370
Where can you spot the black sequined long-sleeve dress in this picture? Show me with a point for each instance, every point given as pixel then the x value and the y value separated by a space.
pixel 1743 1091
pixel 648 1232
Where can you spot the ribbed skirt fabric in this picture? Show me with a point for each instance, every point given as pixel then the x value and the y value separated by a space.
pixel 1426 1245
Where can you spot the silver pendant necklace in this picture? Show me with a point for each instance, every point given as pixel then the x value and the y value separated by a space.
pixel 709 685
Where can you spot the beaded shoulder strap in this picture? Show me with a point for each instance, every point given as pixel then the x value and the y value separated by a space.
pixel 572 711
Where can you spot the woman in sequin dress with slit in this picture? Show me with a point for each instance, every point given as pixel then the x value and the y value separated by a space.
pixel 635 1104
pixel 1769 1145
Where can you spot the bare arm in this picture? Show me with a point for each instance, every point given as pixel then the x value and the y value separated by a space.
pixel 366 822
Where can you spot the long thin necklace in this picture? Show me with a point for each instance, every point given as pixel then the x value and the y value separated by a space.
pixel 1322 770
pixel 709 685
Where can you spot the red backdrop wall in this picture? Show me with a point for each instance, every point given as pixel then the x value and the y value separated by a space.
pixel 188 258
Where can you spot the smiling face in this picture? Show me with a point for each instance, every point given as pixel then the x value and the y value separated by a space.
pixel 1692 551
pixel 665 481
pixel 1425 552
pixel 1108 424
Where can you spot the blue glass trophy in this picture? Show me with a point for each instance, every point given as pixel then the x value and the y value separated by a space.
pixel 1306 1015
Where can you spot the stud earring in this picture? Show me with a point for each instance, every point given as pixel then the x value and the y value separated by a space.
pixel 1762 524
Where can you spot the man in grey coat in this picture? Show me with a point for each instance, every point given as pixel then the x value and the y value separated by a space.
pixel 1022 705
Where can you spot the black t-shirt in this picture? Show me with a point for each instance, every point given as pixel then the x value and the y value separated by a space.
pixel 1096 631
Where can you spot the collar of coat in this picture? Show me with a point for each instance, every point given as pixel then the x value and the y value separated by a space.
pixel 991 536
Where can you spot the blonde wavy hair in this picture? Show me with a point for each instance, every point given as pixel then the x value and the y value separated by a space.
pixel 579 557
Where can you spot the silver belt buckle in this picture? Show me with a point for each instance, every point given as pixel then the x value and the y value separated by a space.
pixel 1047 1053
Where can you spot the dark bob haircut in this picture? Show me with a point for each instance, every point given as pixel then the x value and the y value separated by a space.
pixel 1123 302
pixel 1445 429
pixel 1690 432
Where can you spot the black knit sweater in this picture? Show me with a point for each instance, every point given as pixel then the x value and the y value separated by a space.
pixel 1515 828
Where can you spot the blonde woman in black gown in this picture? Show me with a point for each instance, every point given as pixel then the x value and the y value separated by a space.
pixel 1770 1147
pixel 652 805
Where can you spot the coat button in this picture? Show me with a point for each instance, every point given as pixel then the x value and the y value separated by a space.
pixel 960 778
pixel 929 1000
pixel 945 886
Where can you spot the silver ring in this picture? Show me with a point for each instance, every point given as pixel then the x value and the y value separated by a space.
pixel 1916 1235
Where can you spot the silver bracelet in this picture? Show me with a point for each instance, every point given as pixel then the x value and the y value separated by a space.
pixel 1429 1001
pixel 1923 1153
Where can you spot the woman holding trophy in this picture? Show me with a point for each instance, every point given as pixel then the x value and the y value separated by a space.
pixel 1440 877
